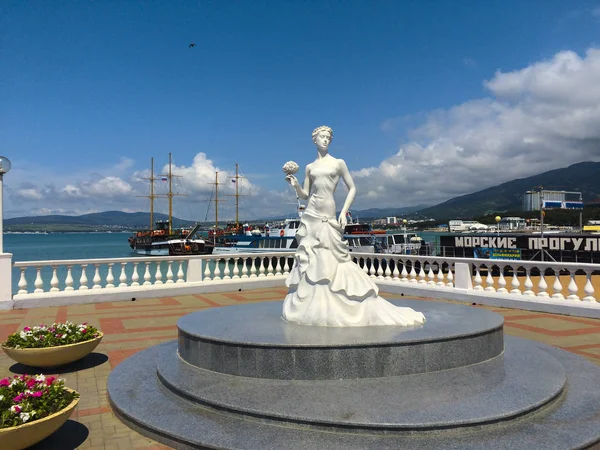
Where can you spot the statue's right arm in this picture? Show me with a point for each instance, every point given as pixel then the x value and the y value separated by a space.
pixel 303 192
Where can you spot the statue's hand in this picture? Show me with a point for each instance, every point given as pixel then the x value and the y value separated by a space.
pixel 292 180
pixel 342 220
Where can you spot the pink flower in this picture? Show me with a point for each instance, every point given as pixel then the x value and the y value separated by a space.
pixel 31 383
pixel 15 409
pixel 18 398
pixel 4 382
pixel 50 380
pixel 26 329
pixel 37 394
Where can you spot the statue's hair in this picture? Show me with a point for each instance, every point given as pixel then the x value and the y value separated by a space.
pixel 322 128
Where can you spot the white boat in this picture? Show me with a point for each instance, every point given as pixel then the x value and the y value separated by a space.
pixel 272 240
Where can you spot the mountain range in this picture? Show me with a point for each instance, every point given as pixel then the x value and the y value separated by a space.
pixel 582 177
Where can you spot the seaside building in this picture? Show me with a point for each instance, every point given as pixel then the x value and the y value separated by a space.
pixel 532 200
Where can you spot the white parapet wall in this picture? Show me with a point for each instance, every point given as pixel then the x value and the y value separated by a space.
pixel 513 284
pixel 6 300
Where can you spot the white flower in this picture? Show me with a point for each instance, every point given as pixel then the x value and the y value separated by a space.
pixel 40 377
pixel 14 382
pixel 24 416
pixel 290 167
pixel 1 397
pixel 14 408
pixel 23 335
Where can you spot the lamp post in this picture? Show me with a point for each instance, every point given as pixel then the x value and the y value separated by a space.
pixel 498 219
pixel 404 222
pixel 4 168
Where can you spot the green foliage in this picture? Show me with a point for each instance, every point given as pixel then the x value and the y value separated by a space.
pixel 26 398
pixel 51 336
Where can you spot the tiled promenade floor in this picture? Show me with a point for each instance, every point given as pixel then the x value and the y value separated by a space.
pixel 133 326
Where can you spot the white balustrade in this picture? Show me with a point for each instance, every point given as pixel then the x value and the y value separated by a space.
pixel 529 280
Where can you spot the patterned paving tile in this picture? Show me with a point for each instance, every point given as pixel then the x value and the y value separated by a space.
pixel 132 326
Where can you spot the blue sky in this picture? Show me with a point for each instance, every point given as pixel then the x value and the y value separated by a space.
pixel 426 98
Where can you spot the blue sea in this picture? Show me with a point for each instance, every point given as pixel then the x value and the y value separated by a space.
pixel 60 246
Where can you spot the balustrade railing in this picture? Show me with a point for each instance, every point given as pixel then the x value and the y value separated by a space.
pixel 39 277
pixel 527 280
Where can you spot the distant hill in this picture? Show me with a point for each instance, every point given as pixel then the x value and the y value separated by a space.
pixel 374 213
pixel 106 218
pixel 582 177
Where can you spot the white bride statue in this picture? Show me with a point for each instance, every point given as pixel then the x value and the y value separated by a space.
pixel 325 287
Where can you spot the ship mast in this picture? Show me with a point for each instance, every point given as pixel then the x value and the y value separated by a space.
pixel 151 196
pixel 170 194
pixel 237 196
pixel 216 200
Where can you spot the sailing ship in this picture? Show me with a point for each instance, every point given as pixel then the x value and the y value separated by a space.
pixel 160 239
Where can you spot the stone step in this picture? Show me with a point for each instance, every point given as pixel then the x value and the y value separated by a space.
pixel 253 340
pixel 141 400
pixel 516 383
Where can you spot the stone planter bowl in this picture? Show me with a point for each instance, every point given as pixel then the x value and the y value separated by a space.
pixel 52 356
pixel 23 436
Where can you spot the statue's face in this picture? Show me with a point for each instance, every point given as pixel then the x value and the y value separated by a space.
pixel 323 139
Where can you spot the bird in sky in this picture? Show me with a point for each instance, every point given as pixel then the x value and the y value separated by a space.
pixel 192 45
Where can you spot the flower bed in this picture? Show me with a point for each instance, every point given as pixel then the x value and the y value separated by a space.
pixel 25 398
pixel 54 335
pixel 51 346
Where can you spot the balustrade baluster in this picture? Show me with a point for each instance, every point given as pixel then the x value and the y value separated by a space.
pixel 286 266
pixel 379 272
pixel 83 280
pixel 489 279
pixel 365 266
pixel 430 275
pixel 572 287
pixel 22 281
pixel 158 274
pixel 180 273
pixel 515 282
pixel 396 272
pixel 387 272
pixel 557 286
pixel 135 276
pixel 528 283
pixel 69 279
pixel 450 276
pixel 502 281
pixel 226 271
pixel 440 275
pixel 147 276
pixel 96 280
pixel 253 267
pixel 413 272
pixel 39 283
pixel 123 276
pixel 245 266
pixel 278 266
pixel 372 270
pixel 588 289
pixel 170 272
pixel 422 273
pixel 270 267
pixel 404 273
pixel 217 271
pixel 236 271
pixel 542 285
pixel 109 277
pixel 54 281
pixel 477 280
pixel 261 267
pixel 207 276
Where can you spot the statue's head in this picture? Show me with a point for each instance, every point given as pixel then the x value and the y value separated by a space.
pixel 322 136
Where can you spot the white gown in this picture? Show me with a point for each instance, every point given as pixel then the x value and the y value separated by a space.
pixel 325 287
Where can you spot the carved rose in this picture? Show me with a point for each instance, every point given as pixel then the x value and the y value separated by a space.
pixel 290 168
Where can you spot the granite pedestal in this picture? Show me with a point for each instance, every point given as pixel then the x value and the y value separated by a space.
pixel 240 377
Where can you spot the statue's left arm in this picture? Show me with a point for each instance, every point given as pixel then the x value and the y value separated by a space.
pixel 345 174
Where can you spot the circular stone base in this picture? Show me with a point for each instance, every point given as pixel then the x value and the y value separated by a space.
pixel 254 341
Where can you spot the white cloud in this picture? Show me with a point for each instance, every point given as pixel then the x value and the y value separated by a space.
pixel 596 12
pixel 538 118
